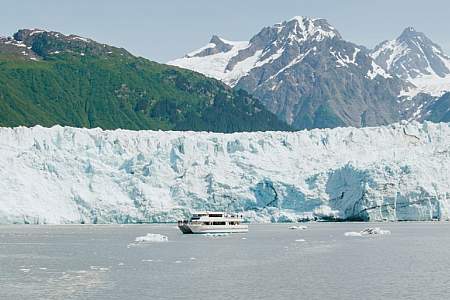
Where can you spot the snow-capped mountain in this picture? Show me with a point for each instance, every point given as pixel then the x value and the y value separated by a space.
pixel 416 59
pixel 303 71
pixel 229 61
pixel 212 60
pixel 70 175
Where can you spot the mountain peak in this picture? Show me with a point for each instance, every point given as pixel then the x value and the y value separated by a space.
pixel 215 39
pixel 409 33
pixel 409 30
pixel 23 34
pixel 41 44
pixel 417 59
pixel 27 35
pixel 306 28
pixel 216 45
pixel 302 19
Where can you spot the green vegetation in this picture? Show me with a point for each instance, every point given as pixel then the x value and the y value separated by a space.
pixel 117 90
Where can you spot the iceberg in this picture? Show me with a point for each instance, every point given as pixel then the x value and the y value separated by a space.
pixel 375 231
pixel 369 231
pixel 300 227
pixel 152 238
pixel 353 233
pixel 65 175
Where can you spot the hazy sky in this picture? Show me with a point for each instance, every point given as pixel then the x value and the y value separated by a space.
pixel 167 29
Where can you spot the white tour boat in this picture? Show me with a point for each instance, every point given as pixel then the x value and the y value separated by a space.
pixel 213 222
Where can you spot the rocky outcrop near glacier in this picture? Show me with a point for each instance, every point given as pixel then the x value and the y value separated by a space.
pixel 69 175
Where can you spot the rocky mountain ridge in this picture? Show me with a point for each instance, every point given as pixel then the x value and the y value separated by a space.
pixel 303 71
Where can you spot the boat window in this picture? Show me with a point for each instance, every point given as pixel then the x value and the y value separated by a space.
pixel 215 215
pixel 218 223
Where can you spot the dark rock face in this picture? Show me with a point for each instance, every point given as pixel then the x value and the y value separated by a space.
pixel 424 107
pixel 219 46
pixel 316 79
pixel 439 110
pixel 10 46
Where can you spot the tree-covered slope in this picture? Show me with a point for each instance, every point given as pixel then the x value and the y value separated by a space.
pixel 47 78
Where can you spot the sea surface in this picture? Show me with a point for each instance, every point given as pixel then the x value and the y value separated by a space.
pixel 270 262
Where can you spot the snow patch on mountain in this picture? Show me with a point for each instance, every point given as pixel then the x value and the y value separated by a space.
pixel 428 84
pixel 344 60
pixel 376 70
pixel 307 28
pixel 70 175
pixel 214 65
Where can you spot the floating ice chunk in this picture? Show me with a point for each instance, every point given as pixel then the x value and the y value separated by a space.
pixel 300 240
pixel 25 270
pixel 368 231
pixel 300 227
pixel 178 262
pixel 147 260
pixel 152 238
pixel 374 230
pixel 353 233
pixel 192 258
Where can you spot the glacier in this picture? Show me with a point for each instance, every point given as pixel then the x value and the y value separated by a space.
pixel 64 175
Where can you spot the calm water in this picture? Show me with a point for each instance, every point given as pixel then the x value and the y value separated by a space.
pixel 270 262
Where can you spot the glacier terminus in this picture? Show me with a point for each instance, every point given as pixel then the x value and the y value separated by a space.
pixel 65 175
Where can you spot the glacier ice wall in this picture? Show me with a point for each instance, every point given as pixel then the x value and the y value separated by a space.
pixel 72 175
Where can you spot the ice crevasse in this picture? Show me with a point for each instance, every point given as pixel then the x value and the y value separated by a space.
pixel 70 175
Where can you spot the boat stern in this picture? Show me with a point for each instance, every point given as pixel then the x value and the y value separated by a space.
pixel 184 227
